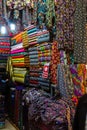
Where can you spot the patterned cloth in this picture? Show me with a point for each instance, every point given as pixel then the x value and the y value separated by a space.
pixel 55 59
pixel 49 111
pixel 80 45
pixel 65 23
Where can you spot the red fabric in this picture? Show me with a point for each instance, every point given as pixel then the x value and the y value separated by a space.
pixel 20 56
pixel 45 127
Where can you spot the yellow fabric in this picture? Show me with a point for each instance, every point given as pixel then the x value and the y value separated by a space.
pixel 18 79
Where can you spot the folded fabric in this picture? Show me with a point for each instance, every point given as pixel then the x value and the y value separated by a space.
pixel 33 56
pixel 18 79
pixel 4 47
pixel 30 27
pixel 33 53
pixel 5 43
pixel 45 58
pixel 34 74
pixel 32 30
pixel 18 59
pixel 34 63
pixel 19 69
pixel 44 54
pixel 19 56
pixel 33 60
pixel 17 51
pixel 32 49
pixel 19 64
pixel 43 39
pixel 19 75
pixel 44 47
pixel 20 53
pixel 18 46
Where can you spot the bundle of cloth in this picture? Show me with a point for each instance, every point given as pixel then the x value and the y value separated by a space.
pixel 33 55
pixel 33 76
pixel 19 59
pixel 4 50
pixel 19 75
pixel 35 35
pixel 58 113
pixel 18 51
pixel 43 36
pixel 44 53
pixel 44 83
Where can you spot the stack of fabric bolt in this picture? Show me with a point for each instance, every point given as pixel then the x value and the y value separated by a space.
pixel 32 35
pixel 44 53
pixel 36 38
pixel 44 56
pixel 4 50
pixel 34 66
pixel 43 36
pixel 18 54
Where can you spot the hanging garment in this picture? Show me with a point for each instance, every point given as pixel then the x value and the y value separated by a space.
pixel 55 60
pixel 65 23
pixel 41 12
pixel 50 13
pixel 65 83
pixel 80 38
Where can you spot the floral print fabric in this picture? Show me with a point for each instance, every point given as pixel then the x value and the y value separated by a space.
pixel 64 23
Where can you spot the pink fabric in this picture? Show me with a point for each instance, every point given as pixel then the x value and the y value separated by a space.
pixel 17 51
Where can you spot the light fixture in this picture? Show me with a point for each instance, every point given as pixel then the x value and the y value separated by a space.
pixel 3 30
pixel 12 27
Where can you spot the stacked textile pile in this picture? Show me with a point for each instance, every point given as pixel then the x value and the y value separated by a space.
pixel 31 32
pixel 39 54
pixel 44 57
pixel 43 36
pixel 56 113
pixel 19 59
pixel 44 53
pixel 4 50
pixel 35 36
pixel 34 66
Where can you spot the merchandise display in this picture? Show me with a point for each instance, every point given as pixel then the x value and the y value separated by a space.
pixel 43 51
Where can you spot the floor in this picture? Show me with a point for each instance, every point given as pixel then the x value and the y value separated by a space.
pixel 8 126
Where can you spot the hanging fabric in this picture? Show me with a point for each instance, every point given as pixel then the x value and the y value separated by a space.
pixel 65 23
pixel 80 38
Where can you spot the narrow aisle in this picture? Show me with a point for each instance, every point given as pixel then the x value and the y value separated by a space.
pixel 8 126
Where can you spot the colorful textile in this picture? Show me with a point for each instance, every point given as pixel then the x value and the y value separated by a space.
pixel 78 77
pixel 55 60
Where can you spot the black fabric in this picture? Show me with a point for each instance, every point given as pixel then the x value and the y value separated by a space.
pixel 80 115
